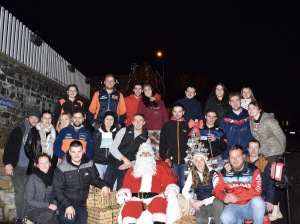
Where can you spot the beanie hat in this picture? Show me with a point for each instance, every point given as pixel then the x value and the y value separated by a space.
pixel 200 154
pixel 108 113
pixel 148 86
pixel 34 111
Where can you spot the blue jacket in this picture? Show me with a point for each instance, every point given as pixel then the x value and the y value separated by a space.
pixel 237 130
pixel 192 109
pixel 69 134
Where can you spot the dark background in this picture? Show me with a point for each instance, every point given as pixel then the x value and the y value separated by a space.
pixel 240 43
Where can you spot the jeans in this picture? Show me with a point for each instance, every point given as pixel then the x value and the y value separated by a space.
pixel 212 210
pixel 112 173
pixel 79 218
pixel 101 169
pixel 18 181
pixel 42 216
pixel 236 213
pixel 179 172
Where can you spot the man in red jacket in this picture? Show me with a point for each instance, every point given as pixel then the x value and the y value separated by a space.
pixel 240 189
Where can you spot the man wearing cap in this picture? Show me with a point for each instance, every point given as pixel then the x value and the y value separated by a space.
pixel 143 188
pixel 16 162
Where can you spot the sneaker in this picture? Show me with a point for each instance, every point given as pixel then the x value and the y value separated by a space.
pixel 20 221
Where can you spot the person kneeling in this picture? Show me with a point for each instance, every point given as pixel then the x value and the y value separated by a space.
pixel 143 188
pixel 39 196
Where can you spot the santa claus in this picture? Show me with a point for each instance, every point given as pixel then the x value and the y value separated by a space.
pixel 148 186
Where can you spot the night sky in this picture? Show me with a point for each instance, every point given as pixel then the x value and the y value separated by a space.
pixel 240 43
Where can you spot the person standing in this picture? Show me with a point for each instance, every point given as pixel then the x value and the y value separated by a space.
pixel 16 162
pixel 247 97
pixel 236 125
pixel 173 139
pixel 69 103
pixel 192 107
pixel 71 184
pixel 107 99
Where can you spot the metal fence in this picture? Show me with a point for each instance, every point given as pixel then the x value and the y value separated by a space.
pixel 15 42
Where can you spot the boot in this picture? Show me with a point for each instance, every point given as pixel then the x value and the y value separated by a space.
pixel 276 213
pixel 266 220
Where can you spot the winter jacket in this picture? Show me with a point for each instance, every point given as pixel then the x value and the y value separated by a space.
pixel 244 185
pixel 37 195
pixel 100 154
pixel 192 109
pixel 13 145
pixel 221 107
pixel 102 101
pixel 64 105
pixel 69 134
pixel 237 130
pixel 132 104
pixel 219 145
pixel 270 135
pixel 154 117
pixel 173 139
pixel 71 183
pixel 268 189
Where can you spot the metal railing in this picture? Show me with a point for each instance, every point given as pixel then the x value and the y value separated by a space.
pixel 15 42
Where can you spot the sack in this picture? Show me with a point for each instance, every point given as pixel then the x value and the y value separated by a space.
pixel 169 170
pixel 184 206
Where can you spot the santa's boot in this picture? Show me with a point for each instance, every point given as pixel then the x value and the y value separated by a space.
pixel 129 220
pixel 276 213
pixel 266 220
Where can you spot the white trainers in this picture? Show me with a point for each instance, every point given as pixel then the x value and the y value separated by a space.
pixel 276 213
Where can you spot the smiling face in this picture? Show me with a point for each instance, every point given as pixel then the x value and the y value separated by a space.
pixel 72 92
pixel 148 91
pixel 177 113
pixel 219 91
pixel 109 83
pixel 138 123
pixel 246 93
pixel 46 120
pixel 199 163
pixel 236 159
pixel 190 93
pixel 64 121
pixel 137 90
pixel 254 111
pixel 108 122
pixel 43 164
pixel 77 119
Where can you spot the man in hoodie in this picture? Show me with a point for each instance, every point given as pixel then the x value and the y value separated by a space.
pixel 16 162
pixel 75 131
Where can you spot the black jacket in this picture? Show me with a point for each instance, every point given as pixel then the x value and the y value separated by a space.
pixel 13 145
pixel 100 154
pixel 221 107
pixel 71 183
pixel 173 139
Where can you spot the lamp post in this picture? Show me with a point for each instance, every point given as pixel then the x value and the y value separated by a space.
pixel 160 55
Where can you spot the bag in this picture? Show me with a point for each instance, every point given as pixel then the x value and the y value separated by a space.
pixel 277 168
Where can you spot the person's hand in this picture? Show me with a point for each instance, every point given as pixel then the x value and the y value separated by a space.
pixel 152 98
pixel 227 167
pixel 53 207
pixel 196 204
pixel 269 206
pixel 230 198
pixel 70 212
pixel 9 170
pixel 211 137
pixel 127 163
pixel 104 191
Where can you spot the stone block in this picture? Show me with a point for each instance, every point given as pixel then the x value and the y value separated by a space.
pixel 18 83
pixel 2 77
pixel 8 71
pixel 5 184
pixel 3 91
pixel 5 114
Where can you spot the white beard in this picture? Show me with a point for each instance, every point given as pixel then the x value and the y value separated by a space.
pixel 144 166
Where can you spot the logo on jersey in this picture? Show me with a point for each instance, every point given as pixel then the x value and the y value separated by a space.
pixel 82 136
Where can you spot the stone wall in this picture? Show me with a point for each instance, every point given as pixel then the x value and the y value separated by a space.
pixel 25 88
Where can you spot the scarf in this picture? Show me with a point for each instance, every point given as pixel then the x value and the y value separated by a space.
pixel 45 177
pixel 46 141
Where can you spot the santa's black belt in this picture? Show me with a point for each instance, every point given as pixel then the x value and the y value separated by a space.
pixel 144 195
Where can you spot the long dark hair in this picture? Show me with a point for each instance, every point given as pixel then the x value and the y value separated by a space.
pixel 147 102
pixel 225 98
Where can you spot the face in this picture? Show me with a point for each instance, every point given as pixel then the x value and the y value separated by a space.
pixel 77 119
pixel 43 164
pixel 137 90
pixel 253 149
pixel 177 113
pixel 190 93
pixel 246 93
pixel 33 120
pixel 200 163
pixel 145 154
pixel 219 91
pixel 236 159
pixel 76 154
pixel 138 123
pixel 64 121
pixel 72 92
pixel 109 121
pixel 235 103
pixel 253 110
pixel 46 120
pixel 109 83
pixel 210 117
pixel 148 91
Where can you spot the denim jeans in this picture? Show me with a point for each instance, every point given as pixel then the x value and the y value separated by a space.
pixel 101 169
pixel 79 218
pixel 42 215
pixel 112 173
pixel 236 213
pixel 179 172
pixel 18 181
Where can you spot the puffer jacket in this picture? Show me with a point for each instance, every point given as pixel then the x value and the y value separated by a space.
pixel 270 135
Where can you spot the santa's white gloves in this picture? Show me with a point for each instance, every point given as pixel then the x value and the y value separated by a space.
pixel 123 195
pixel 171 191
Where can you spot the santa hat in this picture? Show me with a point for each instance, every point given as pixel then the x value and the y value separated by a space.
pixel 145 148
pixel 200 154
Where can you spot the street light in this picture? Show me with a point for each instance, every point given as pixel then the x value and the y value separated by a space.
pixel 160 55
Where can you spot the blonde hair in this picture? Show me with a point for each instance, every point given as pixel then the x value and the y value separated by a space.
pixel 59 119
pixel 251 93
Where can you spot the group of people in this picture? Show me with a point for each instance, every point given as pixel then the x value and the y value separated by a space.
pixel 133 138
